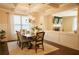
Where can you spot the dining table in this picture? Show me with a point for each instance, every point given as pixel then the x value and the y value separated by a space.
pixel 30 38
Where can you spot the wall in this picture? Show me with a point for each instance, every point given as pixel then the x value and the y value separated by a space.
pixel 36 17
pixel 67 23
pixel 48 19
pixel 78 25
pixel 5 23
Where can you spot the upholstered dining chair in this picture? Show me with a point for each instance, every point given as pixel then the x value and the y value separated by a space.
pixel 39 40
pixel 18 39
pixel 21 40
pixel 23 31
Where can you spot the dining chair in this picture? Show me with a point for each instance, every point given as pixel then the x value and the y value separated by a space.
pixel 39 40
pixel 23 31
pixel 17 32
pixel 21 40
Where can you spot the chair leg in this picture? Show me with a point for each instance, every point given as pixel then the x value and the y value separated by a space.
pixel 22 46
pixel 43 47
pixel 19 44
pixel 35 48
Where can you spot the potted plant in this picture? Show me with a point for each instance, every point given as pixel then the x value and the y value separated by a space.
pixel 2 34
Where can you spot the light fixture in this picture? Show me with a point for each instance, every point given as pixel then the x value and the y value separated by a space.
pixel 30 16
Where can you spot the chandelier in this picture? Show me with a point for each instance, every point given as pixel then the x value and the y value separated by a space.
pixel 29 12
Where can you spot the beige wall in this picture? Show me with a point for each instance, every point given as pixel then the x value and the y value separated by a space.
pixel 4 23
pixel 36 17
pixel 48 22
pixel 67 23
pixel 78 25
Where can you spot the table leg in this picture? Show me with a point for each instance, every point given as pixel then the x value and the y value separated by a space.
pixel 29 45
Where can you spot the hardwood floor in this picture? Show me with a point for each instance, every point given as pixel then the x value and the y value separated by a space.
pixel 3 48
pixel 62 49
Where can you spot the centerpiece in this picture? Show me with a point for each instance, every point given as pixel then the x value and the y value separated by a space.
pixel 36 29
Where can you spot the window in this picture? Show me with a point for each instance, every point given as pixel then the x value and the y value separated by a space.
pixel 25 21
pixel 75 24
pixel 20 22
pixel 16 23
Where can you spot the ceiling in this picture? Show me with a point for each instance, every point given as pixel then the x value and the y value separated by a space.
pixel 42 8
pixel 72 12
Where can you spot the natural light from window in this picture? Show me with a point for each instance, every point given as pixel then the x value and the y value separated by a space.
pixel 20 22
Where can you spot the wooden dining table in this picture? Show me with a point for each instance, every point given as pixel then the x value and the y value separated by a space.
pixel 30 38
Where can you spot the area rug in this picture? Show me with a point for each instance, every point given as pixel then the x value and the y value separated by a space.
pixel 15 50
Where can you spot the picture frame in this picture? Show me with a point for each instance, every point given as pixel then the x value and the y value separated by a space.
pixel 57 20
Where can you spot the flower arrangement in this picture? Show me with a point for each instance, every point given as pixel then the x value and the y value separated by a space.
pixel 2 34
pixel 36 28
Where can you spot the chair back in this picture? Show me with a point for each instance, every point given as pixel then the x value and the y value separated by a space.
pixel 17 32
pixel 40 36
pixel 19 35
pixel 23 31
